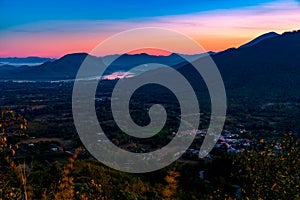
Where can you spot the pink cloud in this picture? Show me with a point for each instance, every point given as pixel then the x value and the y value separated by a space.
pixel 214 30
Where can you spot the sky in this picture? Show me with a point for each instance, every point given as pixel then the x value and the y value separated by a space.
pixel 55 28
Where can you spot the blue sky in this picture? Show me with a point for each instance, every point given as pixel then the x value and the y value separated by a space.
pixel 15 12
pixel 53 28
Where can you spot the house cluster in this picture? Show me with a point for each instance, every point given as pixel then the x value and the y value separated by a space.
pixel 232 142
pixel 228 141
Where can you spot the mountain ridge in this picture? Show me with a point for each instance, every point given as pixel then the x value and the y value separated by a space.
pixel 275 53
pixel 260 39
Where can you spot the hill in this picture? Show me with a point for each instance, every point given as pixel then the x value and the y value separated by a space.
pixel 271 66
pixel 259 39
pixel 67 66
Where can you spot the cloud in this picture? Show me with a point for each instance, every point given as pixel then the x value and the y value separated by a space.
pixel 280 15
pixel 214 30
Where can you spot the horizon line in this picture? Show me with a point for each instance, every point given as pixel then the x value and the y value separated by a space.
pixel 151 51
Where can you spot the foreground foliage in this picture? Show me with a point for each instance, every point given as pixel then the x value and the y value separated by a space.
pixel 270 171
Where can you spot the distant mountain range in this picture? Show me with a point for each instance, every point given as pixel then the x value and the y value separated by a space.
pixel 67 66
pixel 268 69
pixel 29 61
pixel 269 61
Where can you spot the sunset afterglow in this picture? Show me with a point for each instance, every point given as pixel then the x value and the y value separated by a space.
pixel 214 28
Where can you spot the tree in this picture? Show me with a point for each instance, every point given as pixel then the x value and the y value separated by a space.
pixel 170 191
pixel 13 178
pixel 272 172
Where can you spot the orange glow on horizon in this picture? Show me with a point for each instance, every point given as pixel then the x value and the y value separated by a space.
pixel 151 51
pixel 214 30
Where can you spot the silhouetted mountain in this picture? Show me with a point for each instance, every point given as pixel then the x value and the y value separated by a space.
pixel 63 68
pixel 145 58
pixel 67 66
pixel 270 66
pixel 259 39
pixel 32 60
pixel 126 61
